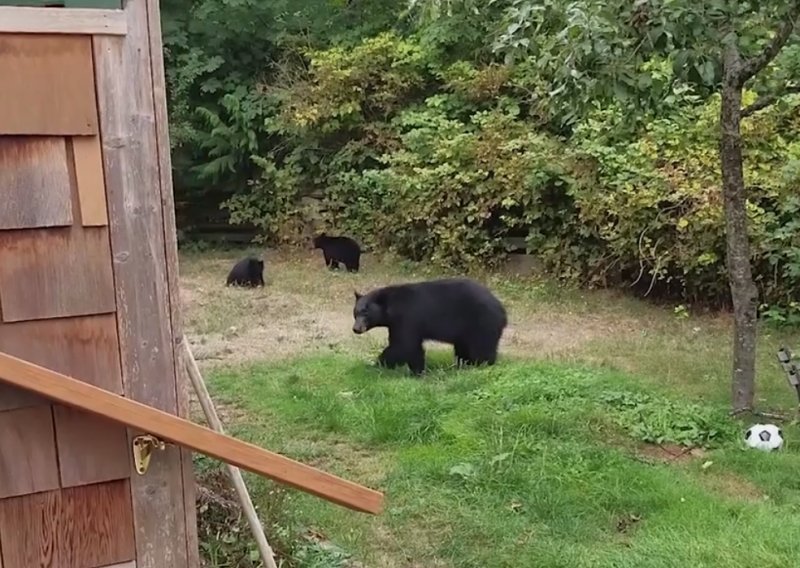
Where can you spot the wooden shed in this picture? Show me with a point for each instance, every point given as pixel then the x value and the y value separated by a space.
pixel 89 294
pixel 88 288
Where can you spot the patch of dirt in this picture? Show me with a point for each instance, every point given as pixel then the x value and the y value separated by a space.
pixel 625 523
pixel 669 452
pixel 549 335
pixel 721 482
pixel 274 338
pixel 732 486
pixel 304 308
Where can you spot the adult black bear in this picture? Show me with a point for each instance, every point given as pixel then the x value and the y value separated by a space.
pixel 247 272
pixel 458 311
pixel 339 250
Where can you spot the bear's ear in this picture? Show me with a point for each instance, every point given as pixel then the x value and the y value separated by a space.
pixel 357 295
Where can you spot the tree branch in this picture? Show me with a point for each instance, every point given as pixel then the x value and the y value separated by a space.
pixel 754 65
pixel 768 100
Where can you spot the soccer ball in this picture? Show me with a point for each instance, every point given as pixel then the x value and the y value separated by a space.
pixel 766 437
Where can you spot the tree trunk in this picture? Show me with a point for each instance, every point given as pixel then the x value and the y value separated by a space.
pixel 743 289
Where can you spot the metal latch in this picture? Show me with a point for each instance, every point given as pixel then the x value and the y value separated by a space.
pixel 143 447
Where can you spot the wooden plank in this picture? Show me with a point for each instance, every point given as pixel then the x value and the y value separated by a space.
pixel 34 183
pixel 89 179
pixel 51 273
pixel 180 431
pixel 14 19
pixel 107 458
pixel 52 91
pixel 82 527
pixel 107 4
pixel 172 265
pixel 27 452
pixel 85 347
pixel 130 161
pixel 12 398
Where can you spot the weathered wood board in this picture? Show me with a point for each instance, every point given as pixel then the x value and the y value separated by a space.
pixel 82 527
pixel 109 458
pixel 85 348
pixel 130 159
pixel 89 179
pixel 52 91
pixel 57 21
pixel 171 246
pixel 27 452
pixel 12 398
pixel 34 182
pixel 52 273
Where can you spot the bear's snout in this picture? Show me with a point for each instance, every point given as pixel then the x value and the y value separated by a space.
pixel 359 327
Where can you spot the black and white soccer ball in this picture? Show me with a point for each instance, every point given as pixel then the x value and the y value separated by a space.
pixel 765 437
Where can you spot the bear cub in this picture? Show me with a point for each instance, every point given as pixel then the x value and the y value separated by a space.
pixel 458 311
pixel 339 250
pixel 247 272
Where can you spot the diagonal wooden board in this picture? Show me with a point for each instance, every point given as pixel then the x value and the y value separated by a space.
pixel 69 391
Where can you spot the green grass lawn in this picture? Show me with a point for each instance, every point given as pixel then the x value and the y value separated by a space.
pixel 566 453
pixel 521 464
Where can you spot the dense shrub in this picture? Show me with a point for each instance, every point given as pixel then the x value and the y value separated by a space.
pixel 656 200
pixel 426 145
pixel 454 190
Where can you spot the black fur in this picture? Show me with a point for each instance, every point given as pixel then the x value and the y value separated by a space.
pixel 339 250
pixel 247 272
pixel 458 311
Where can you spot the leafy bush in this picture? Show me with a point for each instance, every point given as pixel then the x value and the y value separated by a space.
pixel 425 144
pixel 454 190
pixel 663 421
pixel 656 200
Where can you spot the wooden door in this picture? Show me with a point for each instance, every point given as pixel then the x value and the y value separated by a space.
pixel 88 270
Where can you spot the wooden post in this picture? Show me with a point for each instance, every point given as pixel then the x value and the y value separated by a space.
pixel 130 159
pixel 171 250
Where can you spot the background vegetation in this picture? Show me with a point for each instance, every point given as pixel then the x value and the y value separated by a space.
pixel 419 135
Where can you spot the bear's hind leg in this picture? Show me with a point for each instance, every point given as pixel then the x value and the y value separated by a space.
pixel 389 358
pixel 462 354
pixel 416 359
pixel 484 350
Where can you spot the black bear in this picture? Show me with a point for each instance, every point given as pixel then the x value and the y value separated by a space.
pixel 458 311
pixel 247 272
pixel 339 250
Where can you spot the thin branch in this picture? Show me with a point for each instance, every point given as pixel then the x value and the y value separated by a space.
pixel 768 100
pixel 754 65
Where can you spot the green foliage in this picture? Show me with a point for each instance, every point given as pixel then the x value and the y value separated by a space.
pixel 350 86
pixel 661 421
pixel 270 202
pixel 660 211
pixel 587 129
pixel 219 54
pixel 455 189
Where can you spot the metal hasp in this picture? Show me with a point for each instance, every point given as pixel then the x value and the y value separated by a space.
pixel 143 447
